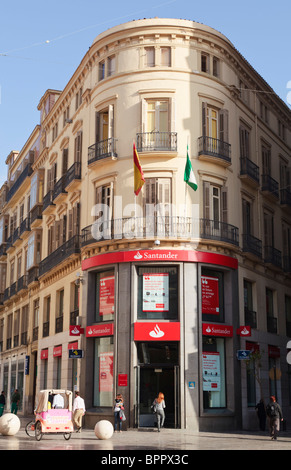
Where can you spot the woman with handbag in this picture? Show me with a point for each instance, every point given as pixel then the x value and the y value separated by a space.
pixel 158 407
pixel 118 413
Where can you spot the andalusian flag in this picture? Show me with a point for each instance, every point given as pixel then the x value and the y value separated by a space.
pixel 189 176
pixel 138 174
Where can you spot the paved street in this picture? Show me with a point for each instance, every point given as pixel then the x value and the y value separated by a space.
pixel 148 441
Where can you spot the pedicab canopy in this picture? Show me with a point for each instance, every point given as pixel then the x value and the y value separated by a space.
pixel 44 397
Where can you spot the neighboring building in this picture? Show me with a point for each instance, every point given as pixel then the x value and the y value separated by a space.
pixel 79 249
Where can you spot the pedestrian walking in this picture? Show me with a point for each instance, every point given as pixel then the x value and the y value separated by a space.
pixel 2 403
pixel 118 408
pixel 78 411
pixel 261 412
pixel 15 399
pixel 274 414
pixel 159 409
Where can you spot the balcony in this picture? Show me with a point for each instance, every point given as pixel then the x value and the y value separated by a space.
pixel 73 317
pixel 16 240
pixel 214 150
pixel 13 289
pixel 59 324
pixel 48 204
pixel 287 264
pixel 70 247
pixel 271 324
pixel 73 176
pixel 59 192
pixel 103 149
pixel 272 256
pixel 249 172
pixel 46 329
pixel 6 295
pixel 3 253
pixel 270 187
pixel 169 227
pixel 22 283
pixel 156 142
pixel 24 228
pixel 36 216
pixel 32 275
pixel 252 245
pixel 14 188
pixel 1 298
pixel 285 198
pixel 250 318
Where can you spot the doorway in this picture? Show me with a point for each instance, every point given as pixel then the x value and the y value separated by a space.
pixel 157 371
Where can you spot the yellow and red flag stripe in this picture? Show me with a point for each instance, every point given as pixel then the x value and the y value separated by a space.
pixel 138 173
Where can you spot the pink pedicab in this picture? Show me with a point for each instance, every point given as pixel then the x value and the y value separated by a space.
pixel 54 420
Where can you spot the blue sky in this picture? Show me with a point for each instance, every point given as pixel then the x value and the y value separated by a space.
pixel 42 43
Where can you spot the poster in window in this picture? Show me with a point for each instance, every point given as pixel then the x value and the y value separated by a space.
pixel 155 292
pixel 106 372
pixel 210 295
pixel 211 371
pixel 106 295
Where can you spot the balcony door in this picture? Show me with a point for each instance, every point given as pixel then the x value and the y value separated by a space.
pixel 158 198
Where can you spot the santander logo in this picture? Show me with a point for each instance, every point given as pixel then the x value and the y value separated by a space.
pixel 156 332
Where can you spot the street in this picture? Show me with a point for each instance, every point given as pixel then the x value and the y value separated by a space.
pixel 146 442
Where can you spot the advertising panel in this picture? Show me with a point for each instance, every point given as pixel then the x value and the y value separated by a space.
pixel 210 295
pixel 157 331
pixel 211 371
pixel 106 295
pixel 155 292
pixel 106 372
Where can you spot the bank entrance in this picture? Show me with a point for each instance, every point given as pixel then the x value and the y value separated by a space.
pixel 157 371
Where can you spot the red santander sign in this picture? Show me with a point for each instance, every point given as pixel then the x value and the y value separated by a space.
pixel 157 331
pixel 210 329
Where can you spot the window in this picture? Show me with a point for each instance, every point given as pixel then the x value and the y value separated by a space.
pixel 157 293
pixel 60 311
pixel 103 372
pixel 250 315
pixel 214 123
pixel 215 207
pixel 215 67
pixel 33 250
pixel 105 290
pixel 101 72
pixel 149 56
pixel 266 160
pixel 264 112
pixel 158 198
pixel 213 370
pixel 111 64
pixel 66 116
pixel 36 188
pixel 212 289
pixel 157 116
pixel 270 311
pixel 35 319
pixel 78 99
pixel 204 63
pixel 281 130
pixel 166 56
pixel 46 316
pixel 55 132
pixel 78 147
pixel 268 229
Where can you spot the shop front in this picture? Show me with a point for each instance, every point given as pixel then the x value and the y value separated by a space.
pixel 164 321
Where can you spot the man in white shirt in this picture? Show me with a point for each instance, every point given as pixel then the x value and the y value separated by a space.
pixel 79 411
pixel 58 401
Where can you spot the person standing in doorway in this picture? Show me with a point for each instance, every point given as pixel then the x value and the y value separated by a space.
pixel 15 399
pixel 274 414
pixel 159 406
pixel 79 411
pixel 2 403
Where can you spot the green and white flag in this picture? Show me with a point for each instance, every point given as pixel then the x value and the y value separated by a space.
pixel 189 176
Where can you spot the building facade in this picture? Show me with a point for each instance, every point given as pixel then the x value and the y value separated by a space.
pixel 169 290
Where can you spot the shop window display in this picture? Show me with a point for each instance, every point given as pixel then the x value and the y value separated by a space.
pixel 213 373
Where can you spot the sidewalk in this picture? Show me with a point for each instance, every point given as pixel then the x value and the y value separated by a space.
pixel 148 440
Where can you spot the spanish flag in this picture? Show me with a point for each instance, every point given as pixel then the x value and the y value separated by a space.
pixel 138 174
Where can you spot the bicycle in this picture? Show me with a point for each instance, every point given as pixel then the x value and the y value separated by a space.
pixel 30 428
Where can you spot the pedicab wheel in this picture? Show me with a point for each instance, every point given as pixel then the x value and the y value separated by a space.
pixel 67 436
pixel 30 429
pixel 38 433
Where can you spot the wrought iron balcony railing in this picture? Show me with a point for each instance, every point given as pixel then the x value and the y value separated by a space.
pixel 60 254
pixel 103 149
pixel 249 168
pixel 48 200
pixel 270 185
pixel 156 141
pixel 73 173
pixel 214 148
pixel 273 256
pixel 252 245
pixel 160 226
pixel 25 173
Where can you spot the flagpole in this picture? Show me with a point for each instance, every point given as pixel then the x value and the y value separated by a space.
pixel 185 211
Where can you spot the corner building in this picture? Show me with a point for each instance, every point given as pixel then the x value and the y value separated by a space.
pixel 166 287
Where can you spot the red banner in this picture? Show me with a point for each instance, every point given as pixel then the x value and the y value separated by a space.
pixel 209 329
pixel 210 295
pixel 106 296
pixel 103 329
pixel 157 331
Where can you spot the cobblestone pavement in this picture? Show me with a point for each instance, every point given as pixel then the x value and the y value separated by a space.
pixel 148 441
